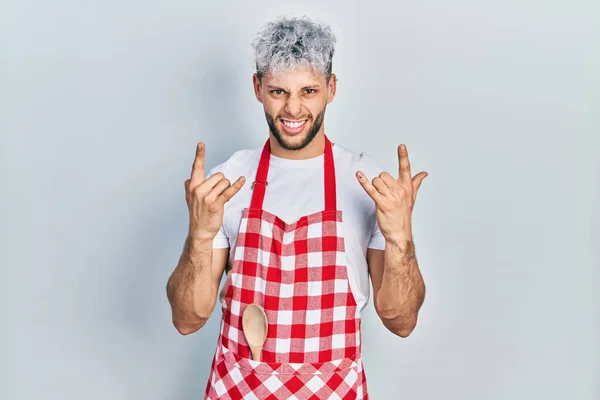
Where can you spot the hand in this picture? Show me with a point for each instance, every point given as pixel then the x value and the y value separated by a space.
pixel 206 198
pixel 394 198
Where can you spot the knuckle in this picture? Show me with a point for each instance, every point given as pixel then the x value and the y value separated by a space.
pixel 197 191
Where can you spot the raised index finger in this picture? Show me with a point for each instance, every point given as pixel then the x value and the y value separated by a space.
pixel 198 167
pixel 403 165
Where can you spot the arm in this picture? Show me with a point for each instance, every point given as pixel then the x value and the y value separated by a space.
pixel 398 287
pixel 193 287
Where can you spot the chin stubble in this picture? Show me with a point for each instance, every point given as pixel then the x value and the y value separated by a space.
pixel 314 129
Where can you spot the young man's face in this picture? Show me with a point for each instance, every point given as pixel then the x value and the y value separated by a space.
pixel 295 103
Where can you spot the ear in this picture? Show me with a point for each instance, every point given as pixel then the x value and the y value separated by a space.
pixel 257 87
pixel 331 88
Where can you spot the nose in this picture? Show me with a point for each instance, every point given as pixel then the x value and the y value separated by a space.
pixel 293 106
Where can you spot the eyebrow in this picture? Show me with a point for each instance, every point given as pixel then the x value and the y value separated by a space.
pixel 315 86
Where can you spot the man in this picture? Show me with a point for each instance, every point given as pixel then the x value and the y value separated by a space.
pixel 300 240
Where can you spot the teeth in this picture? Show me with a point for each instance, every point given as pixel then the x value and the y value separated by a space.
pixel 294 125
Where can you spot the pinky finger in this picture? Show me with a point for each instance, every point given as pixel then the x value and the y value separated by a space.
pixel 187 191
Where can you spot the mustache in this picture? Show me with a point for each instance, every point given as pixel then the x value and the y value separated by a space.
pixel 294 119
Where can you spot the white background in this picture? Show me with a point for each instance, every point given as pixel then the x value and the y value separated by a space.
pixel 102 104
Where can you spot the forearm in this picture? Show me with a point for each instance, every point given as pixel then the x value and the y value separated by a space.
pixel 190 288
pixel 402 289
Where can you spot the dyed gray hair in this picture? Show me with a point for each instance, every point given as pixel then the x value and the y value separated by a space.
pixel 290 42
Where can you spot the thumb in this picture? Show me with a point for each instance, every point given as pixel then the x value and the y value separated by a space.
pixel 367 186
pixel 232 190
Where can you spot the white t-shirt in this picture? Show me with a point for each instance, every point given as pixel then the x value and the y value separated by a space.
pixel 295 189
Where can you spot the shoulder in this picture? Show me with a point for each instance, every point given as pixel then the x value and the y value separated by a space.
pixel 354 161
pixel 240 162
pixel 347 164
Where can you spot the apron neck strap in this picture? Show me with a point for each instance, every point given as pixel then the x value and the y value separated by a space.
pixel 260 184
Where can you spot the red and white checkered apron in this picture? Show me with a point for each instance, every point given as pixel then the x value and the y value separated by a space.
pixel 297 272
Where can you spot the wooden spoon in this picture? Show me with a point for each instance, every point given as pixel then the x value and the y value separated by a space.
pixel 254 324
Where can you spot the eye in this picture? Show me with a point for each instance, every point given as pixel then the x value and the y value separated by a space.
pixel 277 91
pixel 311 91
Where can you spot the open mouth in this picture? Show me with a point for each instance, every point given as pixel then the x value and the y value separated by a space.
pixel 293 127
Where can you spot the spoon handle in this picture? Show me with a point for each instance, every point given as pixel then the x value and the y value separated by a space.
pixel 256 350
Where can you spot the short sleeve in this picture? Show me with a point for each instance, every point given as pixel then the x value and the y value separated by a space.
pixel 221 240
pixel 377 240
pixel 372 168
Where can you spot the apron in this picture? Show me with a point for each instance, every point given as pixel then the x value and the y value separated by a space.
pixel 297 272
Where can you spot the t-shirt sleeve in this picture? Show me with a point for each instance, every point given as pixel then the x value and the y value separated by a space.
pixel 372 168
pixel 377 240
pixel 221 240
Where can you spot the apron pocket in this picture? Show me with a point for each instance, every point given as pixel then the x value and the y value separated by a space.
pixel 342 377
pixel 261 367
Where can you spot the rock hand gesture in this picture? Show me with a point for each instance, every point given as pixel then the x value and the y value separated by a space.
pixel 206 198
pixel 394 198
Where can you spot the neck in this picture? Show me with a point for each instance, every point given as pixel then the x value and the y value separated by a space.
pixel 314 149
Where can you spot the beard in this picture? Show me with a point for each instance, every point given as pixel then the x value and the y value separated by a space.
pixel 312 132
